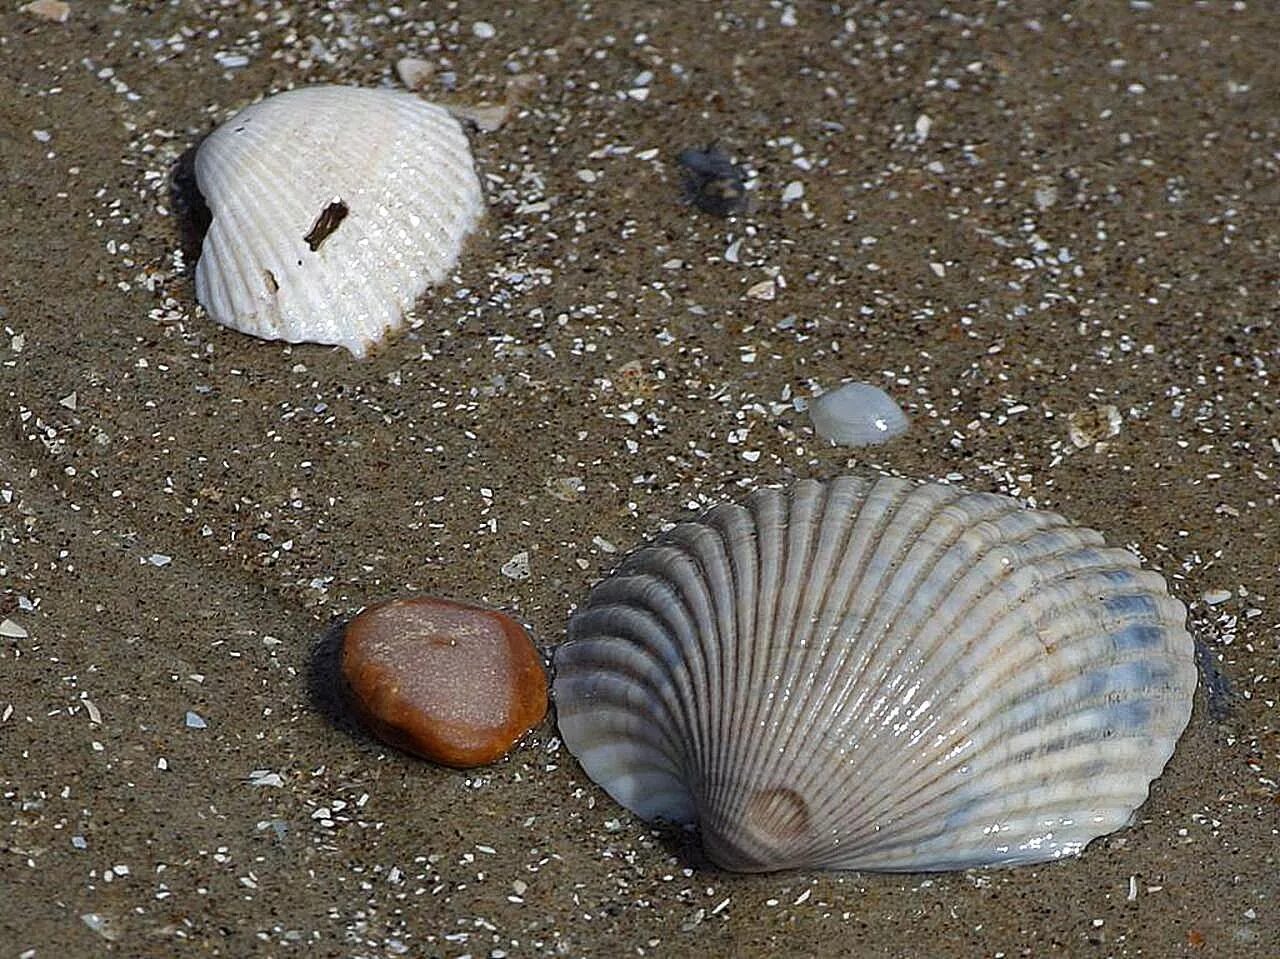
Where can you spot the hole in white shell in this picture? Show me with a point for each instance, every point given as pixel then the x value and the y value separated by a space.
pixel 326 223
pixel 273 285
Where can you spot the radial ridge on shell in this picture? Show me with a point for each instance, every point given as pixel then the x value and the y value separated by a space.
pixel 333 209
pixel 871 673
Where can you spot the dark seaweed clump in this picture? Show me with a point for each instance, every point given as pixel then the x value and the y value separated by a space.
pixel 1218 693
pixel 712 182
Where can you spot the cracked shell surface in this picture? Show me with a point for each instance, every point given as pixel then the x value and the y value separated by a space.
pixel 333 208
pixel 875 674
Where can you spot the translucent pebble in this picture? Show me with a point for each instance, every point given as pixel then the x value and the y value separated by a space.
pixel 857 414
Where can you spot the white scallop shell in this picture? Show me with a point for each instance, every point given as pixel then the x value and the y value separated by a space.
pixel 276 177
pixel 874 674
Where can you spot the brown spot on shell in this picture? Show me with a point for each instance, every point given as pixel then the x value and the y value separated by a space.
pixel 774 824
pixel 779 815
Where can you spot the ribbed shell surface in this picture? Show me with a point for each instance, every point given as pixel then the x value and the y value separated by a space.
pixel 333 209
pixel 876 674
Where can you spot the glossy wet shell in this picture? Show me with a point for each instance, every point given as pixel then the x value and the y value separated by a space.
pixel 333 209
pixel 875 674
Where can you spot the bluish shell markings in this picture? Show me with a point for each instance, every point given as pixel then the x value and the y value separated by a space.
pixel 979 694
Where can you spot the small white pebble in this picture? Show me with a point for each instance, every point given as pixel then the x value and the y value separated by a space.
pixel 195 720
pixel 55 11
pixel 414 74
pixel 487 118
pixel 1215 597
pixel 793 191
pixel 483 29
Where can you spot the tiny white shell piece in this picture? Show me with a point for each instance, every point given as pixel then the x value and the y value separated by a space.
pixel 857 414
pixel 413 72
pixel 874 674
pixel 333 209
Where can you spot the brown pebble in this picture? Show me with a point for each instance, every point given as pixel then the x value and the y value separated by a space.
pixel 453 683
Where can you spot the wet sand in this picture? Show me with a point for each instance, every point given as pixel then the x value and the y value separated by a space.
pixel 1086 219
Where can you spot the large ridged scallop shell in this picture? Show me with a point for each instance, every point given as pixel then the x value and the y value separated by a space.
pixel 875 674
pixel 333 209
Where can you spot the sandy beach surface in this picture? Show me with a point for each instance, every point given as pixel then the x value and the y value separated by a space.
pixel 1051 236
